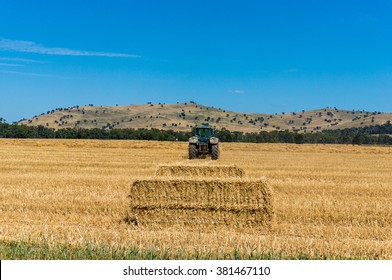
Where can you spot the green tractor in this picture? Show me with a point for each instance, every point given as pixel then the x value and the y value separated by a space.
pixel 204 142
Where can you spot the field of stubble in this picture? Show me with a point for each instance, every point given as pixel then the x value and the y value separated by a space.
pixel 67 199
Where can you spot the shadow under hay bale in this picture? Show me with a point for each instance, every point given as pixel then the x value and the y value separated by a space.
pixel 195 203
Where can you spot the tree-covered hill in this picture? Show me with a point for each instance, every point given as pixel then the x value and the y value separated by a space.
pixel 184 116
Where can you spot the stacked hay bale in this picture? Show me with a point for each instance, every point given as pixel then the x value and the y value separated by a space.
pixel 205 171
pixel 201 196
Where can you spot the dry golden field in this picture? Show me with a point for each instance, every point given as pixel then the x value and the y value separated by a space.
pixel 330 201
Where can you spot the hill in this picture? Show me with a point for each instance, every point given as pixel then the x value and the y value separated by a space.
pixel 184 116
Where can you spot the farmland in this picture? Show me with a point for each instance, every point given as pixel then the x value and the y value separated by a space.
pixel 69 199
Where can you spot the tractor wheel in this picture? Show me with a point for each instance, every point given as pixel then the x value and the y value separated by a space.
pixel 192 151
pixel 215 152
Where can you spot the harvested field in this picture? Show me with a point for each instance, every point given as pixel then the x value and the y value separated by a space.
pixel 200 170
pixel 202 203
pixel 330 201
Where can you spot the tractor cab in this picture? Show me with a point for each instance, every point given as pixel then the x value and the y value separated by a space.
pixel 204 133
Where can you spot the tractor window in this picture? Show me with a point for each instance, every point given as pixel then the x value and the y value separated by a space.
pixel 203 132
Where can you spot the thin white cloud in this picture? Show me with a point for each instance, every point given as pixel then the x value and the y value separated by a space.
pixel 237 91
pixel 32 47
pixel 11 64
pixel 17 59
pixel 28 74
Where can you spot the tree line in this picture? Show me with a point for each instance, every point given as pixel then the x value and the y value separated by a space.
pixel 378 134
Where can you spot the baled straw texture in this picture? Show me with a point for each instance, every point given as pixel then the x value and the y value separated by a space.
pixel 199 203
pixel 201 171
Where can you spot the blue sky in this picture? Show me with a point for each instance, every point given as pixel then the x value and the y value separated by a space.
pixel 249 56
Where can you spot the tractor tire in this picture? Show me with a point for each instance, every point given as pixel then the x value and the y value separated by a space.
pixel 192 151
pixel 215 152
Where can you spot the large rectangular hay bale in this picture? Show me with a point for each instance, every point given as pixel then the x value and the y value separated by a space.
pixel 199 203
pixel 200 171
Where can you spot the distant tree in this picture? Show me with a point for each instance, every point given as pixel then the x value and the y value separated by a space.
pixel 299 138
pixel 358 139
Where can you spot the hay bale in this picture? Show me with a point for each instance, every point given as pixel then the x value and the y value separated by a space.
pixel 216 171
pixel 200 203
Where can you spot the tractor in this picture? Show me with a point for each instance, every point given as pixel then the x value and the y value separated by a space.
pixel 204 142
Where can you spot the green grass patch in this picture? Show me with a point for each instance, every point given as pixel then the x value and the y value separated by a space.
pixel 89 251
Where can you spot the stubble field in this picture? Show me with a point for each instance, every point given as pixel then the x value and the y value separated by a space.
pixel 68 199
